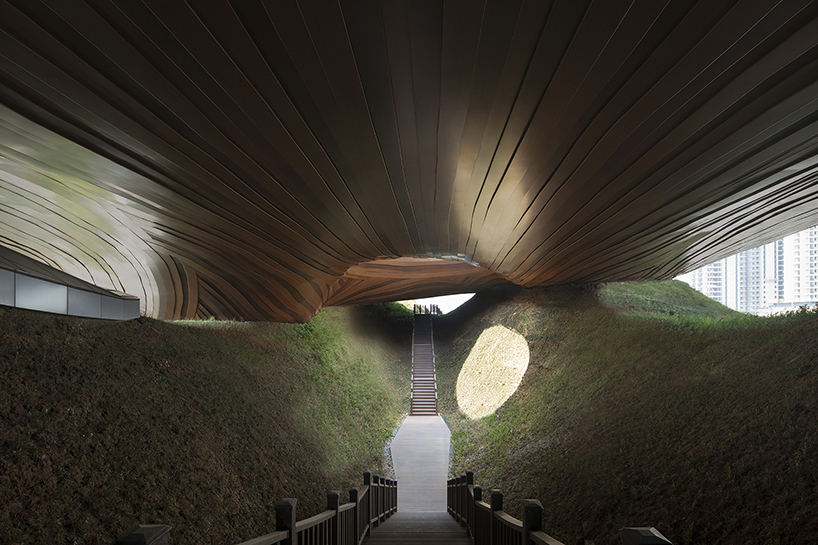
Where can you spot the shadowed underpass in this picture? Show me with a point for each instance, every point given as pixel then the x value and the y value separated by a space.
pixel 420 453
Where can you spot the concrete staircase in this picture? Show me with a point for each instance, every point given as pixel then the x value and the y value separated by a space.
pixel 424 383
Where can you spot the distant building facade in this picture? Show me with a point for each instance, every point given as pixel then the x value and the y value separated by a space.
pixel 709 280
pixel 766 279
pixel 800 262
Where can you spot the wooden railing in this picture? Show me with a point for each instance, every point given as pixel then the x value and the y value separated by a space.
pixel 428 309
pixel 487 523
pixel 346 524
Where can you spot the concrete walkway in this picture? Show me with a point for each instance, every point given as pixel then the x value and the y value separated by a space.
pixel 420 453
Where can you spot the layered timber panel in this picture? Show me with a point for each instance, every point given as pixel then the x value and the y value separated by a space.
pixel 264 159
pixel 409 278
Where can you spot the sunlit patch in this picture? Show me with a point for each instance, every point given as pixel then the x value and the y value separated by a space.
pixel 214 323
pixel 492 371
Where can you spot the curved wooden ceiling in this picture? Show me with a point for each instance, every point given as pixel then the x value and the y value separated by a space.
pixel 240 157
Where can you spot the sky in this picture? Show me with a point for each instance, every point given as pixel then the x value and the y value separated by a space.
pixel 447 303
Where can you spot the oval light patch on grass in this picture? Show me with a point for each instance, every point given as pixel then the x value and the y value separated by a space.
pixel 492 371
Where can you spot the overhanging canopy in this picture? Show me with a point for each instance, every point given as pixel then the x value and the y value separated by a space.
pixel 263 159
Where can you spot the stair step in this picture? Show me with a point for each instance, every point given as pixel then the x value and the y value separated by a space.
pixel 424 377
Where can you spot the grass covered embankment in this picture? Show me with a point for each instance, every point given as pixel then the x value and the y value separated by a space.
pixel 642 405
pixel 201 426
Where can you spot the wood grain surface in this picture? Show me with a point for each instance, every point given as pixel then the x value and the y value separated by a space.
pixel 262 159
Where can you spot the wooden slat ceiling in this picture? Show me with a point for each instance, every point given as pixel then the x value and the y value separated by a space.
pixel 262 159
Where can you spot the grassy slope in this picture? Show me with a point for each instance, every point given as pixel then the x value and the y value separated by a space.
pixel 646 405
pixel 105 425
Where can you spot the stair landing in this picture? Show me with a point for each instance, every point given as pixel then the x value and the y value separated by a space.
pixel 421 528
pixel 420 453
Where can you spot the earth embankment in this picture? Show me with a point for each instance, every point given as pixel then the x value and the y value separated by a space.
pixel 641 405
pixel 203 426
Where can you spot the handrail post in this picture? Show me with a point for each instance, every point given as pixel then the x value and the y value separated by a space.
pixel 453 492
pixel 333 503
pixel 455 495
pixel 394 496
pixel 285 519
pixel 464 511
pixel 464 492
pixel 368 485
pixel 356 514
pixel 468 501
pixel 496 503
pixel 449 496
pixel 389 484
pixel 461 483
pixel 532 519
pixel 384 499
pixel 376 488
pixel 478 497
pixel 382 514
pixel 385 484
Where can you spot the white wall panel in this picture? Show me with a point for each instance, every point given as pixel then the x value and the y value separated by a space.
pixel 35 294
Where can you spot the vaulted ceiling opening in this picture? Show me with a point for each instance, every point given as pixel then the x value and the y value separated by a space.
pixel 260 159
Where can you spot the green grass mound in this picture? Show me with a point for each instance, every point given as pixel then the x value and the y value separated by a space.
pixel 203 426
pixel 643 405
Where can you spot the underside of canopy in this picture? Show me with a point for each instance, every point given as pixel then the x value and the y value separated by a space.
pixel 263 159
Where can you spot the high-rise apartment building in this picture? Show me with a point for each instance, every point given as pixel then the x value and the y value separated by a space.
pixel 709 280
pixel 800 265
pixel 756 278
pixel 779 268
pixel 781 274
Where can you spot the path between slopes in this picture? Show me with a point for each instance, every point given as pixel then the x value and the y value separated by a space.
pixel 420 454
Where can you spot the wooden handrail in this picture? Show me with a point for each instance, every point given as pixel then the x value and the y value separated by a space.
pixel 541 538
pixel 269 539
pixel 487 523
pixel 346 524
pixel 314 520
pixel 509 521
